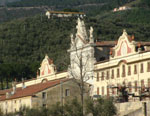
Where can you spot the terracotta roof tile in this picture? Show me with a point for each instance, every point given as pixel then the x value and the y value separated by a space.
pixel 2 92
pixel 33 89
pixel 62 12
pixel 113 43
pixel 106 43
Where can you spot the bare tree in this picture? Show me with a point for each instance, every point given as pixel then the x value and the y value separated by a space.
pixel 82 58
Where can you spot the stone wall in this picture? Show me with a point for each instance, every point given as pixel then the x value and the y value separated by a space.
pixel 134 108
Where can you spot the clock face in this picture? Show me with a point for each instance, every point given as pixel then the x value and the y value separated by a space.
pixel 123 49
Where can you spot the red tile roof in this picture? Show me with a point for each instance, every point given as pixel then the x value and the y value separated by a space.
pixel 113 43
pixel 62 12
pixel 31 90
pixel 106 43
pixel 2 92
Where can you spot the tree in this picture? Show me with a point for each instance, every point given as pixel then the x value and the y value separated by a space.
pixel 70 108
pixel 101 107
pixel 56 110
pixel 82 58
pixel 73 108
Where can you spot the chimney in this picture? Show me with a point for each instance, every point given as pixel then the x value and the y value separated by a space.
pixel 7 94
pixel 139 47
pixel 37 73
pixel 23 84
pixel 14 87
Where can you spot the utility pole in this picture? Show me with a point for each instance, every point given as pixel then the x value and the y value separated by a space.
pixel 61 96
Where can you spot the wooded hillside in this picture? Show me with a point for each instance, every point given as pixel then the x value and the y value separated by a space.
pixel 24 42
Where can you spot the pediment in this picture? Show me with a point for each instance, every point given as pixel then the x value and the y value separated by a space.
pixel 47 67
pixel 125 46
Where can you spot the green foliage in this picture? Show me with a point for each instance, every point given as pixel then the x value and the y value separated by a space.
pixel 73 108
pixel 56 110
pixel 70 108
pixel 145 3
pixel 1 113
pixel 8 14
pixel 101 107
pixel 24 43
pixel 90 7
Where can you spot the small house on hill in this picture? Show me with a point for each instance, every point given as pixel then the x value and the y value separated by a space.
pixel 64 14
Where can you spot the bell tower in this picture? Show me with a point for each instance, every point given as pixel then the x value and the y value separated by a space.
pixel 82 53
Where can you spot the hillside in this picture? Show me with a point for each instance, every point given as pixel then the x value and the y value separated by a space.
pixel 25 41
pixel 4 2
pixel 26 8
pixel 90 7
pixel 65 3
pixel 8 14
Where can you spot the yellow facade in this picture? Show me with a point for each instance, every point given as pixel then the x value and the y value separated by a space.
pixel 14 105
pixel 131 69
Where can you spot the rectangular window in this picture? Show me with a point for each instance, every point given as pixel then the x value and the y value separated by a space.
pixel 142 68
pixel 107 92
pixel 148 82
pixel 148 66
pixel 67 92
pixel 135 69
pixel 97 90
pixel 43 95
pixel 130 87
pixel 44 105
pixel 97 76
pixel 129 70
pixel 123 71
pixel 113 91
pixel 112 74
pixel 118 72
pixel 102 76
pixel 102 90
pixel 142 86
pixel 117 89
pixel 142 83
pixel 107 75
pixel 135 86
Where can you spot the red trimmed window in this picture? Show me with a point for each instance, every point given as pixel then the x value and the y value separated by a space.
pixel 107 92
pixel 123 71
pixel 102 76
pixel 107 75
pixel 148 66
pixel 97 76
pixel 135 86
pixel 129 85
pixel 97 90
pixel 142 68
pixel 113 91
pixel 129 70
pixel 135 69
pixel 112 73
pixel 142 84
pixel 148 82
pixel 118 72
pixel 102 90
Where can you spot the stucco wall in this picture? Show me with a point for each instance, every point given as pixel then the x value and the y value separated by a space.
pixel 14 105
pixel 54 94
